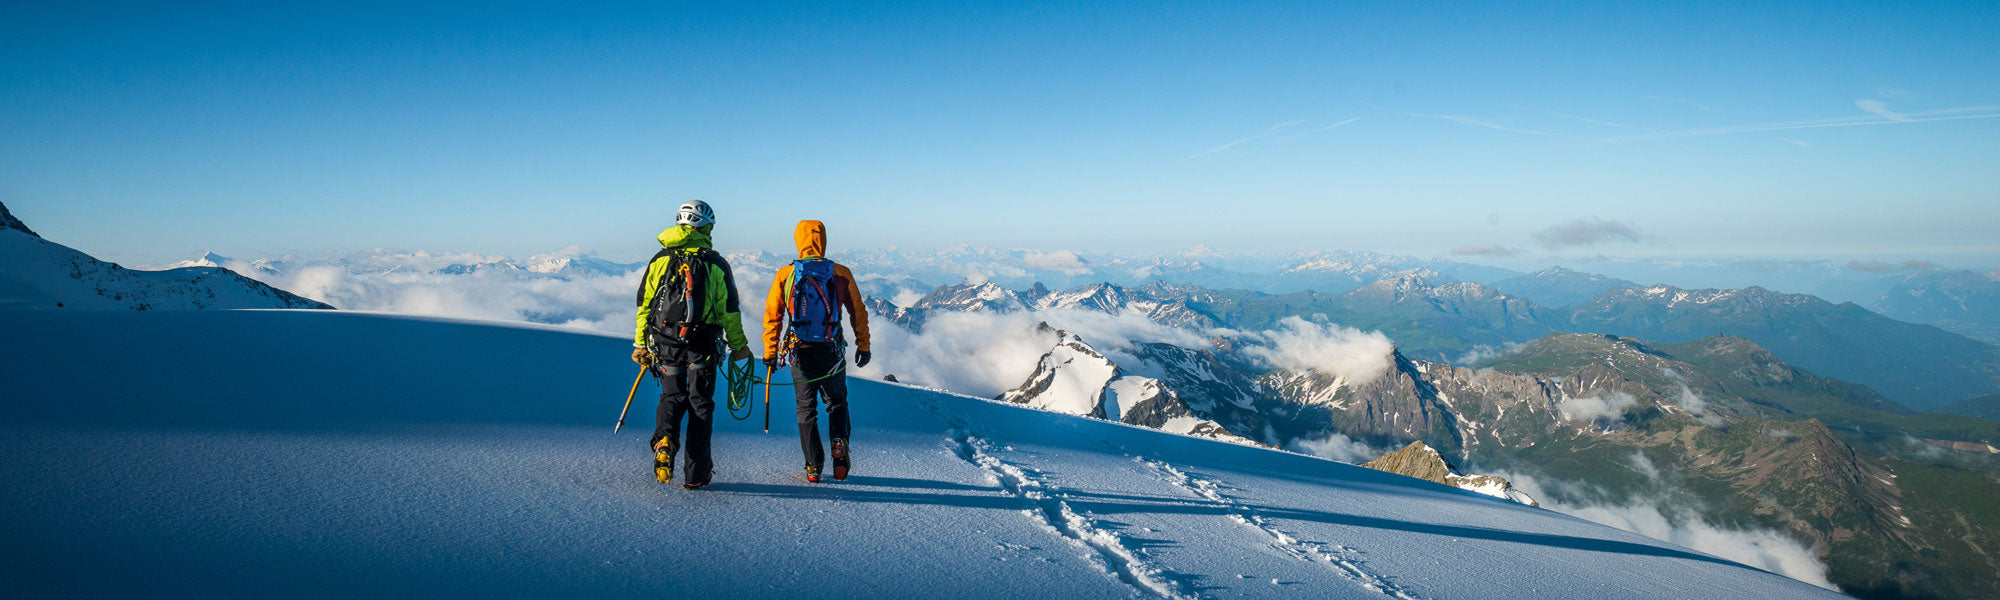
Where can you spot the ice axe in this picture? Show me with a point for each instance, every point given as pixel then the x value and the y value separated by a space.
pixel 635 392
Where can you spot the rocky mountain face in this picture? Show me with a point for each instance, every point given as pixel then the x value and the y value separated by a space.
pixel 1736 436
pixel 1919 366
pixel 1422 462
pixel 36 273
pixel 1962 302
pixel 1076 379
pixel 1557 287
pixel 7 221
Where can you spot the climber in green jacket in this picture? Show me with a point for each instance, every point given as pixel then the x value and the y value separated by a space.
pixel 688 310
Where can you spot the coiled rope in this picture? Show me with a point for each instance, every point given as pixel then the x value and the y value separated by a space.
pixel 741 376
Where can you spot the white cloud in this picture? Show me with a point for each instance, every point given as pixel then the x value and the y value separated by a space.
pixel 1300 345
pixel 1765 549
pixel 1483 353
pixel 1644 465
pixel 980 354
pixel 1064 261
pixel 1608 408
pixel 1336 447
pixel 407 282
pixel 1695 405
pixel 1692 402
pixel 984 354
pixel 906 297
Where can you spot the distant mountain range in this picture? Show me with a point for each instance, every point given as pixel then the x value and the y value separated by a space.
pixel 1962 302
pixel 1918 365
pixel 1557 287
pixel 1434 318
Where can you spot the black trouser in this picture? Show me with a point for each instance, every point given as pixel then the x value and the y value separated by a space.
pixel 688 382
pixel 818 360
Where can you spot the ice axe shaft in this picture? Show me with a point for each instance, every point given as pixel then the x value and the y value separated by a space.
pixel 628 401
pixel 767 398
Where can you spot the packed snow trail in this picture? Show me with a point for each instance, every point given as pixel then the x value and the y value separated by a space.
pixel 319 454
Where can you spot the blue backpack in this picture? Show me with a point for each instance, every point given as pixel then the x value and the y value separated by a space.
pixel 813 313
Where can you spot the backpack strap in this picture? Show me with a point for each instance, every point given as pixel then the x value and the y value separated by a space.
pixel 641 299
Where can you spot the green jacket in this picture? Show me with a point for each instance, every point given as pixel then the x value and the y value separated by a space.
pixel 721 305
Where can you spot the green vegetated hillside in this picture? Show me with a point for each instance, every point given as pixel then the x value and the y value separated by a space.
pixel 1985 407
pixel 1900 503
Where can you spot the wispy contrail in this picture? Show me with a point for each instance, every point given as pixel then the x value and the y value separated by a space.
pixel 1273 129
pixel 1340 123
pixel 1954 114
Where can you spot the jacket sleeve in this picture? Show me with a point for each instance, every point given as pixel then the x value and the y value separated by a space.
pixel 732 313
pixel 648 285
pixel 774 310
pixel 857 311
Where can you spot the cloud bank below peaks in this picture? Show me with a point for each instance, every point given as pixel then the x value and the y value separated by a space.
pixel 1352 355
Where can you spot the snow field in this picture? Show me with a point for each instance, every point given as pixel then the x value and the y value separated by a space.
pixel 318 454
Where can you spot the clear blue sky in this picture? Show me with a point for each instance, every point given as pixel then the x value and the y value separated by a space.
pixel 149 133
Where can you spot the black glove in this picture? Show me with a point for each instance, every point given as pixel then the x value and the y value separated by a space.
pixel 740 354
pixel 861 358
pixel 771 362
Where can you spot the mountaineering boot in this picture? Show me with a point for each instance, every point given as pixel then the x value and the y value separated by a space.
pixel 663 460
pixel 812 473
pixel 691 484
pixel 839 459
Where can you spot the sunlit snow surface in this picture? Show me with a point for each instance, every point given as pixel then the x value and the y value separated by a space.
pixel 288 454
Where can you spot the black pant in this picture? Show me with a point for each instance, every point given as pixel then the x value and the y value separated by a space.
pixel 817 360
pixel 689 384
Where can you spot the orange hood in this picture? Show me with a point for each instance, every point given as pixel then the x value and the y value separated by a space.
pixel 811 238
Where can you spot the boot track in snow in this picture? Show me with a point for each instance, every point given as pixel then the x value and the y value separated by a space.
pixel 1312 552
pixel 1111 553
pixel 1108 551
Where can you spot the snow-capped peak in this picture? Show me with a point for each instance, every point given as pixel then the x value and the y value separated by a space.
pixel 1071 378
pixel 210 259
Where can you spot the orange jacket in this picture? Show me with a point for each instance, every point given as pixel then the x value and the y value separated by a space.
pixel 811 239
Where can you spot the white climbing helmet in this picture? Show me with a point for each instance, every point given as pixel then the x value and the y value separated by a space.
pixel 697 214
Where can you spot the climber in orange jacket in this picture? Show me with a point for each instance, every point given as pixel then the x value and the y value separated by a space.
pixel 802 329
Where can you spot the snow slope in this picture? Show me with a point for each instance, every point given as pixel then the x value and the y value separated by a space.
pixel 315 454
pixel 38 273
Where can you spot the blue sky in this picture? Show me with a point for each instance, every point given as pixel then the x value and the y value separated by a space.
pixel 149 133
